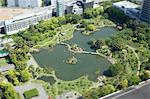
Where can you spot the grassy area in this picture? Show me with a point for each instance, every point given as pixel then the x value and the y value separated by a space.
pixel 68 31
pixel 81 85
pixel 3 62
pixel 31 93
pixel 99 22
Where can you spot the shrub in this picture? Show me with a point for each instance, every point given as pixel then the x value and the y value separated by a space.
pixel 31 93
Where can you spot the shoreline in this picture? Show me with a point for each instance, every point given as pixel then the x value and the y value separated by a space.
pixel 32 61
pixel 98 28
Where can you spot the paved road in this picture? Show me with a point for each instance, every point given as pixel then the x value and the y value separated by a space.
pixel 141 91
pixel 6 68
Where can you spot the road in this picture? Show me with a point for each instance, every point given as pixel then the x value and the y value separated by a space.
pixel 141 91
pixel 6 68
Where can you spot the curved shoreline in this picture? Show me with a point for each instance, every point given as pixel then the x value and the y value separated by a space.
pixel 111 60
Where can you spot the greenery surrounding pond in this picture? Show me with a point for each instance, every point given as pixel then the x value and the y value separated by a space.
pixel 130 48
pixel 86 65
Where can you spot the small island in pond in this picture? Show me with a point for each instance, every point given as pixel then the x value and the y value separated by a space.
pixel 76 48
pixel 72 60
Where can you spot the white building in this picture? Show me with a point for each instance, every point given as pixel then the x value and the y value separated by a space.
pixel 53 2
pixel 12 3
pixel 13 20
pixel 130 9
pixel 60 7
pixel 24 3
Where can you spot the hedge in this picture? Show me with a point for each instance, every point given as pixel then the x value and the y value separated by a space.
pixel 31 93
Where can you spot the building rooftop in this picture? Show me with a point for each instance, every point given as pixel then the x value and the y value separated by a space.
pixel 20 13
pixel 141 91
pixel 126 4
pixel 9 13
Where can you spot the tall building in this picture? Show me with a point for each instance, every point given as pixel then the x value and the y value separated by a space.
pixel 145 14
pixel 53 2
pixel 60 9
pixel 12 3
pixel 47 2
pixel 24 3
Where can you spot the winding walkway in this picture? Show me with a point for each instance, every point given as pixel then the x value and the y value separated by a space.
pixel 138 59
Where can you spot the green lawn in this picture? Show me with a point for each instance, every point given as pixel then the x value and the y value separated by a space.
pixel 31 93
pixel 81 85
pixel 3 62
pixel 68 29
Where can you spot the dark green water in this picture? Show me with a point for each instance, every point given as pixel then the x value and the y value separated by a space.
pixel 86 65
pixel 49 79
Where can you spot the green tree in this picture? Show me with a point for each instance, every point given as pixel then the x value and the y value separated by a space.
pixel 3 2
pixel 92 94
pixel 93 12
pixel 106 89
pixel 11 74
pixel 15 81
pixel 146 75
pixel 90 27
pixel 134 80
pixel 84 23
pixel 73 18
pixel 115 69
pixel 62 20
pixel 141 37
pixel 24 76
pixel 123 84
pixel 8 91
pixel 116 15
pixel 117 44
pixel 88 13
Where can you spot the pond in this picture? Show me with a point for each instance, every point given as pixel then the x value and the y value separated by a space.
pixel 49 79
pixel 87 64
